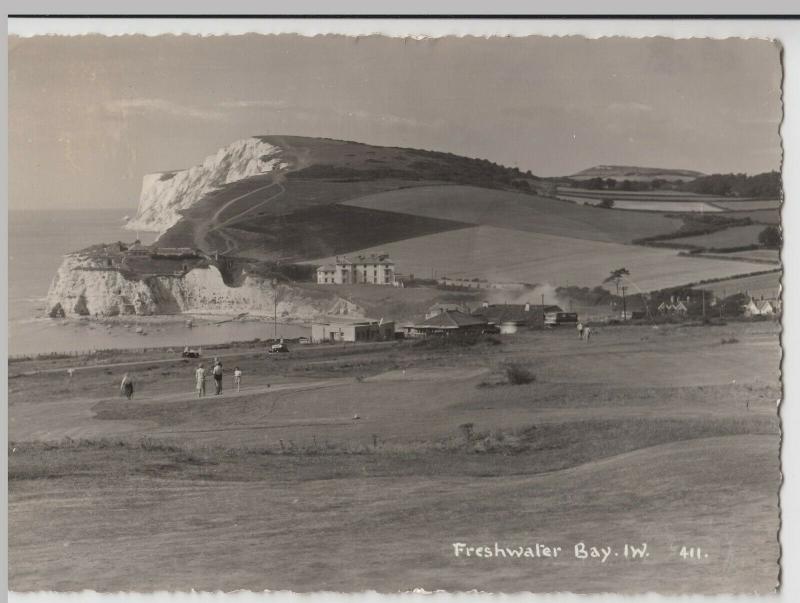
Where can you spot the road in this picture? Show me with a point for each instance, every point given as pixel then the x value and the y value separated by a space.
pixel 179 359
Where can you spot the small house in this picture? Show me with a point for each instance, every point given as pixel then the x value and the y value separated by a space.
pixel 510 318
pixel 449 322
pixel 760 307
pixel 342 329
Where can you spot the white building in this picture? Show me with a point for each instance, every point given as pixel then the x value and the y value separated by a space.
pixel 372 269
pixel 339 328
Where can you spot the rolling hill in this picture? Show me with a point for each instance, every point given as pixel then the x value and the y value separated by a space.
pixel 292 199
pixel 635 173
pixel 281 191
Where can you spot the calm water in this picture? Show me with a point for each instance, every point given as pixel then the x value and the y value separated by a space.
pixel 36 243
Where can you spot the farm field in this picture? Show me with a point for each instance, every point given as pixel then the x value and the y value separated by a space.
pixel 768 285
pixel 764 255
pixel 333 230
pixel 737 236
pixel 669 206
pixel 522 212
pixel 749 205
pixel 501 254
pixel 667 195
pixel 281 488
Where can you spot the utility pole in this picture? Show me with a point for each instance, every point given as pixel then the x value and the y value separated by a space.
pixel 704 304
pixel 275 297
pixel 624 310
pixel 544 322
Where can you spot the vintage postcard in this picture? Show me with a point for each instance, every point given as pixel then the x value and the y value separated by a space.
pixel 336 313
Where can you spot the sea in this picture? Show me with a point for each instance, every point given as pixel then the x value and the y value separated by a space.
pixel 37 242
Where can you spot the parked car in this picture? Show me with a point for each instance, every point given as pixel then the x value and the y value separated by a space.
pixel 187 353
pixel 304 341
pixel 278 348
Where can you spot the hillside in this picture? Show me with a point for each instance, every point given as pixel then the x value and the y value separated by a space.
pixel 290 198
pixel 635 173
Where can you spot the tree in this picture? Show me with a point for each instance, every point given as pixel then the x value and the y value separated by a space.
pixel 616 277
pixel 770 237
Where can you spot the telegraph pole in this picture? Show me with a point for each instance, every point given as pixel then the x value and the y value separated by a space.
pixel 275 297
pixel 624 310
pixel 704 304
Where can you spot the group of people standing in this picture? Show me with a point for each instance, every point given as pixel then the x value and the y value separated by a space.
pixel 584 332
pixel 216 373
pixel 126 387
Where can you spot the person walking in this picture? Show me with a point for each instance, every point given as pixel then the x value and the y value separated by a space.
pixel 200 381
pixel 237 378
pixel 126 387
pixel 580 330
pixel 587 333
pixel 217 372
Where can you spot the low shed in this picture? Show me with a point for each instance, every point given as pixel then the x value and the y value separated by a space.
pixel 356 329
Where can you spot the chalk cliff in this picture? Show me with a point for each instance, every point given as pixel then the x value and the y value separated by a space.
pixel 84 287
pixel 165 194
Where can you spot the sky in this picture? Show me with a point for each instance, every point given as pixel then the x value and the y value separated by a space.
pixel 90 115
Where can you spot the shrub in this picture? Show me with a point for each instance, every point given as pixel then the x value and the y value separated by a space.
pixel 729 340
pixel 519 375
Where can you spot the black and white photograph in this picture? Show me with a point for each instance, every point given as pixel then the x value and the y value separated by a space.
pixel 387 313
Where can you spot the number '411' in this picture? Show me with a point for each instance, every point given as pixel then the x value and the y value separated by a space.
pixel 691 552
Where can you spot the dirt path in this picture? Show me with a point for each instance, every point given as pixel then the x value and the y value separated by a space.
pixel 215 226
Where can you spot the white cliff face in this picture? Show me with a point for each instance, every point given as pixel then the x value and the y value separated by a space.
pixel 84 288
pixel 165 194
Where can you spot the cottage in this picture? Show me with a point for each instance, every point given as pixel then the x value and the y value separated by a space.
pixel 509 318
pixel 760 307
pixel 341 329
pixel 437 309
pixel 373 269
pixel 449 322
pixel 673 307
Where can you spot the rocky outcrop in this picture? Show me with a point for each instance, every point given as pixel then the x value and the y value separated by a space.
pixel 165 194
pixel 85 287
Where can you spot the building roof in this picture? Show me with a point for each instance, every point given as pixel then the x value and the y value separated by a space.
pixel 369 258
pixel 503 313
pixel 137 246
pixel 346 321
pixel 444 306
pixel 327 268
pixel 451 319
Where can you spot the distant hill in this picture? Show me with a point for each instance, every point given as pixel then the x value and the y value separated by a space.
pixel 635 173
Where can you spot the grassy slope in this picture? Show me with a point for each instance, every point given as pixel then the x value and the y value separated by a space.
pixel 528 213
pixel 324 172
pixel 738 236
pixel 352 516
pixel 502 254
pixel 333 230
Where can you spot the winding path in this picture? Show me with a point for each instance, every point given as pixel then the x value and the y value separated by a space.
pixel 213 225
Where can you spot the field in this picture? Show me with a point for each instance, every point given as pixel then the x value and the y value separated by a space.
pixel 762 255
pixel 527 213
pixel 665 200
pixel 768 285
pixel 281 487
pixel 669 206
pixel 749 205
pixel 737 236
pixel 334 230
pixel 501 254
